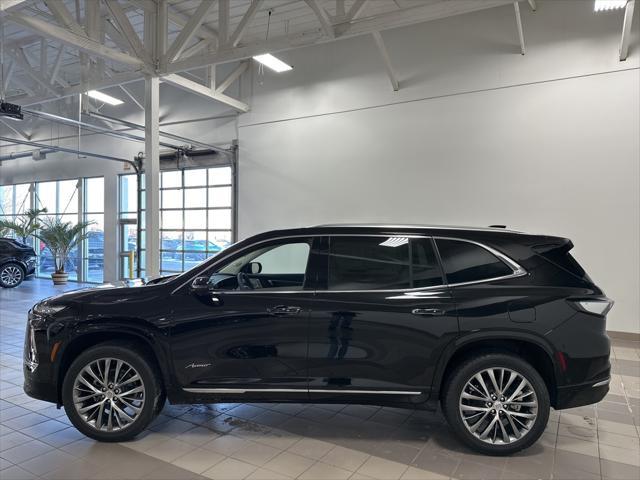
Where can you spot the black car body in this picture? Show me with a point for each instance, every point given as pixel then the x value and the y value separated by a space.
pixel 17 261
pixel 388 315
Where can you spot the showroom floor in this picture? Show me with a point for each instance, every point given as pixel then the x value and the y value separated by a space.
pixel 272 441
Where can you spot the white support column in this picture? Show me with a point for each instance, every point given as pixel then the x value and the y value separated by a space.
pixel 152 174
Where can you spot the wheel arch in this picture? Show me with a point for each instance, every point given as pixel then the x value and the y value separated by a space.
pixel 87 339
pixel 532 349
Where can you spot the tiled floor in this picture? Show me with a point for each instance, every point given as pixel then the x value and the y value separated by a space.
pixel 282 441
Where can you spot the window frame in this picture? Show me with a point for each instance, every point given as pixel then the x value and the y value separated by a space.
pixel 327 251
pixel 319 248
pixel 517 270
pixel 308 284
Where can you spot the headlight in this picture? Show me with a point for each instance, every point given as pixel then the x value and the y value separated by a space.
pixel 30 350
pixel 44 309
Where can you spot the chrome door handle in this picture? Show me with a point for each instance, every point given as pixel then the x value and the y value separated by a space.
pixel 427 311
pixel 284 310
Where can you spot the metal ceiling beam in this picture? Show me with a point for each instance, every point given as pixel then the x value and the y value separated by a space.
pixel 516 7
pixel 127 31
pixel 223 22
pixel 232 77
pixel 323 18
pixel 386 60
pixel 58 63
pixel 15 129
pixel 64 16
pixel 244 22
pixel 199 89
pixel 409 16
pixel 22 61
pixel 69 38
pixel 189 30
pixel 8 76
pixel 626 30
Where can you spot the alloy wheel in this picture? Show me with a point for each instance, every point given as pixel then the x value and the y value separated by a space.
pixel 11 275
pixel 498 406
pixel 108 394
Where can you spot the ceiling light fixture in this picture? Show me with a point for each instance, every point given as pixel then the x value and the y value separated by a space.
pixel 103 97
pixel 273 63
pixel 606 5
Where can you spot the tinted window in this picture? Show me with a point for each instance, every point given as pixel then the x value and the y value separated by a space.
pixel 279 265
pixel 467 262
pixel 378 263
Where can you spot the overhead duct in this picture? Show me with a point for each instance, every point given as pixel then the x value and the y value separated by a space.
pixel 95 128
pixel 179 138
pixel 31 153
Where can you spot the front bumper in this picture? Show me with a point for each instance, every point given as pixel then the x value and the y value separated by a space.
pixel 37 369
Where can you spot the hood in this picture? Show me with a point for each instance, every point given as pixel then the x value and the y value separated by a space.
pixel 104 289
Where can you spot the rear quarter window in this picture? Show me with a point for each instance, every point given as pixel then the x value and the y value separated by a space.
pixel 467 262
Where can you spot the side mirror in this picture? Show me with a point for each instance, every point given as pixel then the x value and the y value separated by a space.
pixel 253 268
pixel 200 286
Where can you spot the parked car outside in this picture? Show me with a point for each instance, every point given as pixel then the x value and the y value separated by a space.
pixel 17 261
pixel 494 326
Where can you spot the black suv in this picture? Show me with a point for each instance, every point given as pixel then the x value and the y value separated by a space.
pixel 17 261
pixel 495 326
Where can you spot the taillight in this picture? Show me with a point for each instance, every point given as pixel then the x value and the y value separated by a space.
pixel 595 306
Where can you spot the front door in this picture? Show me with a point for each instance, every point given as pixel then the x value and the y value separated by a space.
pixel 382 320
pixel 248 333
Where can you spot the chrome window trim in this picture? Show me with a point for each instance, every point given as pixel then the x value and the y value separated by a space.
pixel 518 270
pixel 299 390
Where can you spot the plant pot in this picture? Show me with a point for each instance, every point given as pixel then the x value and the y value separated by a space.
pixel 60 278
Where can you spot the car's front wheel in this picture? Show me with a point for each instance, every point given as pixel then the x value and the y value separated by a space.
pixel 111 392
pixel 496 403
pixel 11 275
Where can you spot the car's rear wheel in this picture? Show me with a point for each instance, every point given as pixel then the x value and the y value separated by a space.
pixel 11 275
pixel 111 392
pixel 496 403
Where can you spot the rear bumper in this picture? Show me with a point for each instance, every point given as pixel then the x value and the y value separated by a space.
pixel 584 394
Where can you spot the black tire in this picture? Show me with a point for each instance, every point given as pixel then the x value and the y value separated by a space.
pixel 465 372
pixel 154 394
pixel 9 272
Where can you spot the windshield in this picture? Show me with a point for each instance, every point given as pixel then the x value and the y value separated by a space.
pixel 186 273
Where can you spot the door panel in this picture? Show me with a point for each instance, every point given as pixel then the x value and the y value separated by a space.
pixel 371 328
pixel 373 341
pixel 243 331
pixel 242 340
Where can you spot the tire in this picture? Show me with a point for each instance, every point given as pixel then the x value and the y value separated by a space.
pixel 128 415
pixel 11 275
pixel 468 413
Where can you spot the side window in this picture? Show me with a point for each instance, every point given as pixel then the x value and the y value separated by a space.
pixel 274 266
pixel 468 262
pixel 425 270
pixel 381 263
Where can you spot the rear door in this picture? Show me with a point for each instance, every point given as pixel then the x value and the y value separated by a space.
pixel 380 320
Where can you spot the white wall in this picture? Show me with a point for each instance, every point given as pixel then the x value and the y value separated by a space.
pixel 547 142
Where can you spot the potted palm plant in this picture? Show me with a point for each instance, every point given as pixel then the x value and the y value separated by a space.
pixel 25 225
pixel 61 238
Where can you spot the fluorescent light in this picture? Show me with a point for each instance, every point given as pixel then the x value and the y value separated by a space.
pixel 103 97
pixel 604 5
pixel 273 63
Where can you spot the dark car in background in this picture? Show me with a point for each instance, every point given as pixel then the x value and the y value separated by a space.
pixel 17 261
pixel 495 326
